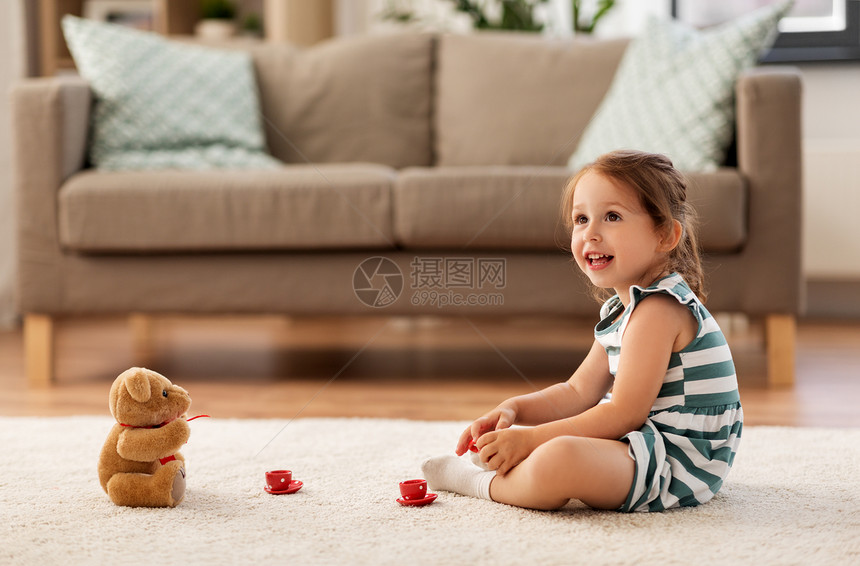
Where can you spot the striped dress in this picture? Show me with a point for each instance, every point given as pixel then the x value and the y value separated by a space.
pixel 687 445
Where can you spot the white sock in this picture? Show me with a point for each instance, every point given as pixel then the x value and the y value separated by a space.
pixel 450 473
pixel 476 459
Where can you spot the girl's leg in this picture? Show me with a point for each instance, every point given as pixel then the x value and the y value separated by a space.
pixel 596 471
pixel 457 475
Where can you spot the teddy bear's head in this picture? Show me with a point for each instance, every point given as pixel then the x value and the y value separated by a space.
pixel 143 398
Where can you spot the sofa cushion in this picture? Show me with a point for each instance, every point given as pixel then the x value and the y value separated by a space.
pixel 720 199
pixel 355 99
pixel 492 207
pixel 295 207
pixel 160 104
pixel 517 208
pixel 512 99
pixel 674 91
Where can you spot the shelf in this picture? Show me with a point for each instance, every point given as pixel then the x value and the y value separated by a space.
pixel 302 22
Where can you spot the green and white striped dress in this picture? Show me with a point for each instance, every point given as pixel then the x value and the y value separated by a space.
pixel 686 447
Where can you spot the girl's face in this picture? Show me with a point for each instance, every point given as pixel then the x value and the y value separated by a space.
pixel 614 241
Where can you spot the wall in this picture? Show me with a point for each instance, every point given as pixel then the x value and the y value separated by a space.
pixel 831 153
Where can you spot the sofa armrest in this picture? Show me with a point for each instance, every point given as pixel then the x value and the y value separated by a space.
pixel 770 159
pixel 49 129
pixel 64 101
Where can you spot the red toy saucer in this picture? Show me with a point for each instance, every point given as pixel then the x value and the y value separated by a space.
pixel 426 500
pixel 294 486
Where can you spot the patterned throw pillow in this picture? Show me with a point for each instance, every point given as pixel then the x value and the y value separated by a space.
pixel 160 104
pixel 673 92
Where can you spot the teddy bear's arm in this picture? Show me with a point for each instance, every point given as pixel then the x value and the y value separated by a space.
pixel 148 444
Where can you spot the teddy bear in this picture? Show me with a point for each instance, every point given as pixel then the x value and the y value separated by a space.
pixel 140 464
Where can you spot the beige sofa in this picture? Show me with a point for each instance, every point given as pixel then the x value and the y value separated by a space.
pixel 442 154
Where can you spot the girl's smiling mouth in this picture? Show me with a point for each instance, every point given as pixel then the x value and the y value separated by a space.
pixel 598 261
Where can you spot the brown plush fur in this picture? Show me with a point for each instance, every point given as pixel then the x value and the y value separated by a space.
pixel 129 468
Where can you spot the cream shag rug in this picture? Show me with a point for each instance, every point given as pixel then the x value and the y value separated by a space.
pixel 792 498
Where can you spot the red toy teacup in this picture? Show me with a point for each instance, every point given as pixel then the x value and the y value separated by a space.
pixel 279 480
pixel 413 489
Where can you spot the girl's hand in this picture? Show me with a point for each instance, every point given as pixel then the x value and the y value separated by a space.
pixel 497 419
pixel 501 450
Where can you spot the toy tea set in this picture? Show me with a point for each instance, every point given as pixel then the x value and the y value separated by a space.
pixel 140 464
pixel 413 493
pixel 281 482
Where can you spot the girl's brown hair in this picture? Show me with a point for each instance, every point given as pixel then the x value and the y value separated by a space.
pixel 662 190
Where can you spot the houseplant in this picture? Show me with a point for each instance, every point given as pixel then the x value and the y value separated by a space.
pixel 515 15
pixel 519 15
pixel 217 19
pixel 580 24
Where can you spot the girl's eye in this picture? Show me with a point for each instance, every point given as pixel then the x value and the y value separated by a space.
pixel 612 217
pixel 580 220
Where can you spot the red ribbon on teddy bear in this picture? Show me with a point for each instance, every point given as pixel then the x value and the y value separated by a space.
pixel 171 457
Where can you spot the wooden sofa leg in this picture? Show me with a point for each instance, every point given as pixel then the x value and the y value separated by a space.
pixel 780 336
pixel 39 349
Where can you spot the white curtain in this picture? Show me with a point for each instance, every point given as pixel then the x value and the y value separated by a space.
pixel 11 69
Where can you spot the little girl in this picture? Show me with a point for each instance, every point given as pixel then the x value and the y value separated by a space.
pixel 667 435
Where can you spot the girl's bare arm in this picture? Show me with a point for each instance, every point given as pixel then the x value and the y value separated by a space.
pixel 585 388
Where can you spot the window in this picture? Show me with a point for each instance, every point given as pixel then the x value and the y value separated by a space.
pixel 814 30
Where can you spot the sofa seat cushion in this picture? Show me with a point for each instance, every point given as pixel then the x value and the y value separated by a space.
pixel 492 207
pixel 295 207
pixel 518 208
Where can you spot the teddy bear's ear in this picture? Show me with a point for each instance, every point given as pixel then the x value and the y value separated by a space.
pixel 137 383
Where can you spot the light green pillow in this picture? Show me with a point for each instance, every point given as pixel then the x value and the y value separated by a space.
pixel 161 104
pixel 673 92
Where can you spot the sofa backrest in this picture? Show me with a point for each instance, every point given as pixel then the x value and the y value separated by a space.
pixel 362 99
pixel 412 99
pixel 517 99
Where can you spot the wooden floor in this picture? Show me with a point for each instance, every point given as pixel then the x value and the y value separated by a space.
pixel 434 369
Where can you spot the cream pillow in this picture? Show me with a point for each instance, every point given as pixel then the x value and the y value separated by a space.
pixel 673 92
pixel 161 104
